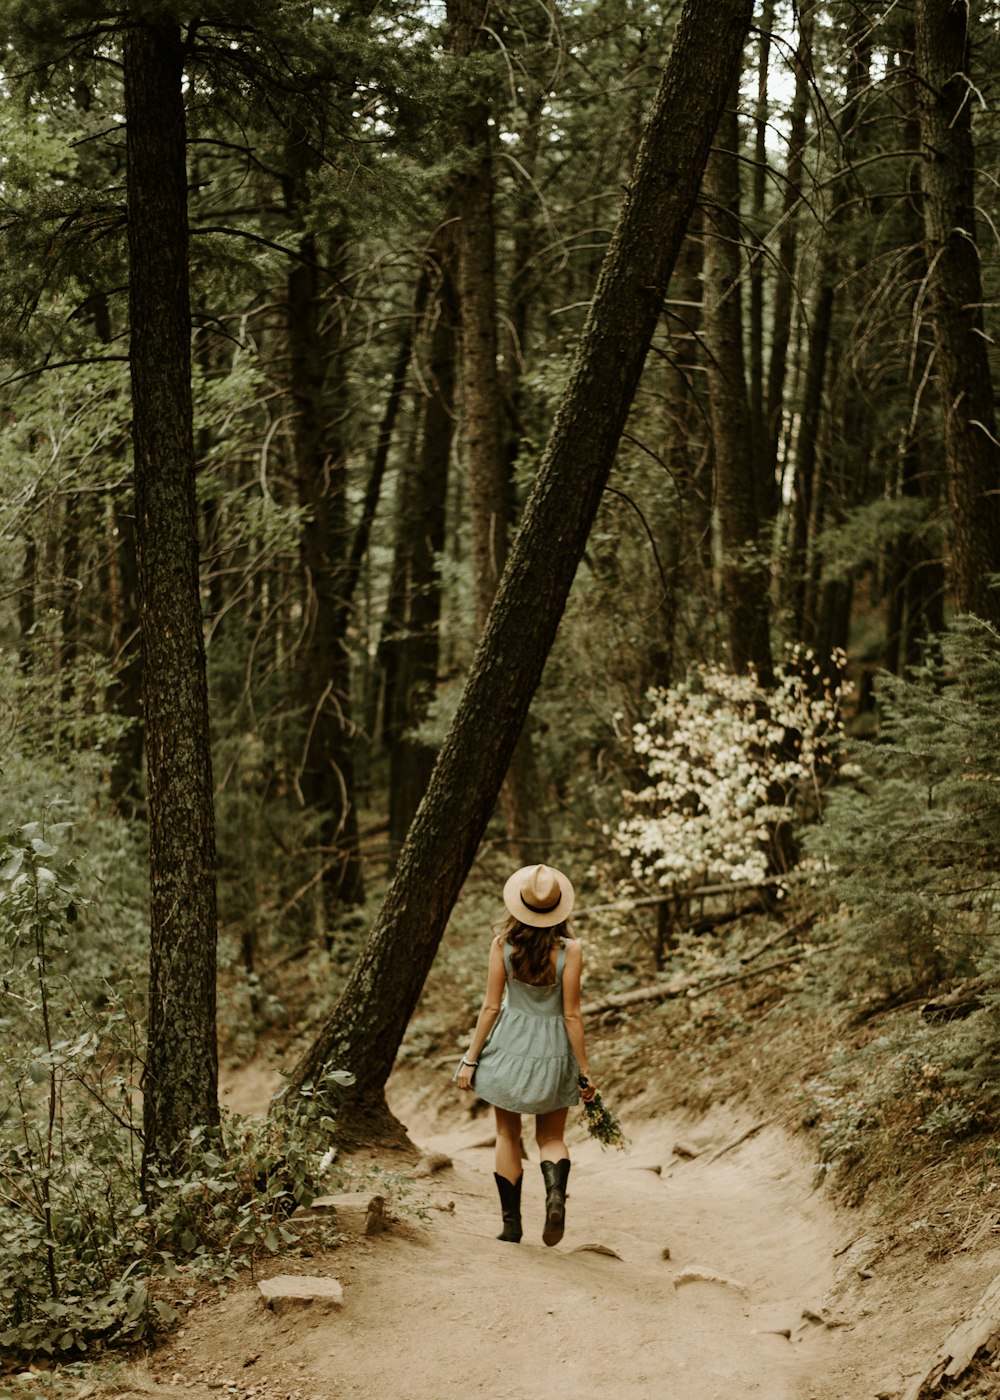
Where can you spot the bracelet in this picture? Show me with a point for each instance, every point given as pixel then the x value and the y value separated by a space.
pixel 470 1064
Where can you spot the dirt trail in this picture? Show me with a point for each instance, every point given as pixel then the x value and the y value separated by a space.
pixel 438 1307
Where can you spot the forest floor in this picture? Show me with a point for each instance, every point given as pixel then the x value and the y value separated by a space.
pixel 704 1262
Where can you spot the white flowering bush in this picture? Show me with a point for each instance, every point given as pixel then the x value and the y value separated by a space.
pixel 732 770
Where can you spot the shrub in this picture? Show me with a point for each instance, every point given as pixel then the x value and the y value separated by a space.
pixel 733 772
pixel 911 846
pixel 82 1254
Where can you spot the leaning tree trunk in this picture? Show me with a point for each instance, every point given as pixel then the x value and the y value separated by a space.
pixel 972 450
pixel 180 1089
pixel 745 574
pixel 364 1031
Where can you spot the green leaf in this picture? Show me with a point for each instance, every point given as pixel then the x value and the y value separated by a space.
pixel 137 1302
pixel 12 864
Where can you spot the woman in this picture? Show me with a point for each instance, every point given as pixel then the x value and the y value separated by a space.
pixel 527 1051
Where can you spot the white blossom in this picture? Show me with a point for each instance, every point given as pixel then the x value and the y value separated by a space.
pixel 727 764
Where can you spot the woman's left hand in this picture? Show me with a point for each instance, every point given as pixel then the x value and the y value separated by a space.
pixel 465 1073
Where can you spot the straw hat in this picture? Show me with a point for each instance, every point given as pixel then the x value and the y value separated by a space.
pixel 539 896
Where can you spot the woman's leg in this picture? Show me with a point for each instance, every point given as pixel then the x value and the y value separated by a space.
pixel 508 1175
pixel 550 1134
pixel 508 1150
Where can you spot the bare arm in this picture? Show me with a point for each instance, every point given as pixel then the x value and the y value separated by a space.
pixel 488 1013
pixel 571 1011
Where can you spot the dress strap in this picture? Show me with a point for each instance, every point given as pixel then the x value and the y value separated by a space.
pixel 507 966
pixel 560 959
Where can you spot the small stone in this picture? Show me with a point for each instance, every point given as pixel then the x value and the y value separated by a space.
pixel 355 1212
pixel 287 1291
pixel 430 1163
pixel 665 1252
pixel 596 1249
pixel 697 1274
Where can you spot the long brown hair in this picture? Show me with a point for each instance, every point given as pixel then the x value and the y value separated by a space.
pixel 531 950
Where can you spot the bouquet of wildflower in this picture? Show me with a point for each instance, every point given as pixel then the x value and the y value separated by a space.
pixel 601 1122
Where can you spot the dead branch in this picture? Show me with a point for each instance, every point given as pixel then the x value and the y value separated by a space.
pixel 647 901
pixel 980 1329
pixel 789 931
pixel 738 1141
pixel 689 987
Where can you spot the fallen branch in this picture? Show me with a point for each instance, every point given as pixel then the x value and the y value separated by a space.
pixel 647 901
pixel 738 1141
pixel 745 976
pixel 689 987
pixel 789 931
pixel 980 1329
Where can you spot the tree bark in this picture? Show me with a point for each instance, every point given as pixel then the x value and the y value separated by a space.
pixel 806 460
pixel 746 577
pixel 764 483
pixel 180 1089
pixel 364 1030
pixel 70 612
pixel 972 449
pixel 812 502
pixel 784 291
pixel 326 764
pixel 124 644
pixel 490 503
pixel 475 242
pixel 124 694
pixel 684 511
pixel 915 581
pixel 26 605
pixel 411 653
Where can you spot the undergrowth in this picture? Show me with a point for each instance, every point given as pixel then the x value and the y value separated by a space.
pixel 86 1259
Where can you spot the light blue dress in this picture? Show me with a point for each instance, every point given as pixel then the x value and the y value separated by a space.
pixel 526 1065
